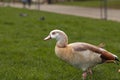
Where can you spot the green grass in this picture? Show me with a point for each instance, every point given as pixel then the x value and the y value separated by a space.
pixel 25 56
pixel 115 4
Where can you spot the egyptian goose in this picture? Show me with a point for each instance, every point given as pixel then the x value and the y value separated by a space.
pixel 80 54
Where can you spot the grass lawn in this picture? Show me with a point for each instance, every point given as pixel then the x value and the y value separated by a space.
pixel 111 3
pixel 25 56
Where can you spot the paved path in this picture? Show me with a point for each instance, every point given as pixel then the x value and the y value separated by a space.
pixel 77 11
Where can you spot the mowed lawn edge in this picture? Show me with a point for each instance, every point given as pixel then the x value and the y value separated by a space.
pixel 112 4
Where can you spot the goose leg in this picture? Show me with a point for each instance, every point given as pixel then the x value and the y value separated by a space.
pixel 110 61
pixel 90 71
pixel 84 75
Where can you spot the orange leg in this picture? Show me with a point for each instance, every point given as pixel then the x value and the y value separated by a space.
pixel 110 61
pixel 84 75
pixel 90 71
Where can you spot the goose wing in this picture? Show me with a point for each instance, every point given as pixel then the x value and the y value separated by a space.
pixel 104 54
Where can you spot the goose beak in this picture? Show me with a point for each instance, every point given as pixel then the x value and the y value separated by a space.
pixel 47 38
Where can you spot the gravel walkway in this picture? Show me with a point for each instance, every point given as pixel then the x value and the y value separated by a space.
pixel 77 11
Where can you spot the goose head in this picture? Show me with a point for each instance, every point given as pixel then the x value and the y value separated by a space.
pixel 60 36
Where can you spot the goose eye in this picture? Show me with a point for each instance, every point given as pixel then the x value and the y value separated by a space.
pixel 53 33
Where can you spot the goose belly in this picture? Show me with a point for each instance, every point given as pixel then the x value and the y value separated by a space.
pixel 86 59
pixel 82 59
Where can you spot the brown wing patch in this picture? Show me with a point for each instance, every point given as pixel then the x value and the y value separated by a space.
pixel 105 55
pixel 79 48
